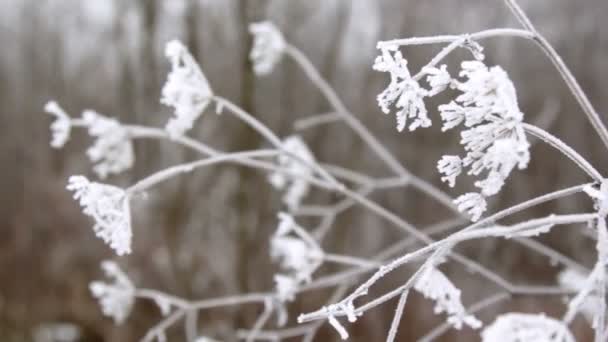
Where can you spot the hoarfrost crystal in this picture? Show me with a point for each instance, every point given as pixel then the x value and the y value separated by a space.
pixel 112 150
pixel 433 284
pixel 519 327
pixel 109 207
pixel 293 171
pixel 186 90
pixel 268 46
pixel 116 298
pixel 472 203
pixel 61 126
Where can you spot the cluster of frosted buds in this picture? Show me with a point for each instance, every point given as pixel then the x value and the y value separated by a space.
pixel 186 90
pixel 112 151
pixel 433 284
pixel 520 327
pixel 116 298
pixel 109 207
pixel 494 138
pixel 268 47
pixel 293 171
pixel 404 92
pixel 297 252
pixel 61 127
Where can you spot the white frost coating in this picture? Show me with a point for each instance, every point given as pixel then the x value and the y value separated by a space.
pixel 61 127
pixel 519 327
pixel 112 151
pixel 116 298
pixel 268 47
pixel 471 203
pixel 403 91
pixel 438 78
pixel 295 172
pixel 109 207
pixel 433 284
pixel 186 90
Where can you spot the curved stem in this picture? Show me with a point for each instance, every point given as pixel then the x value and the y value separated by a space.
pixel 497 32
pixel 563 70
pixel 564 149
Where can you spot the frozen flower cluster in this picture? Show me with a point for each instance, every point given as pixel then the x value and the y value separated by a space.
pixel 519 327
pixel 268 46
pixel 61 127
pixel 493 138
pixel 186 90
pixel 112 151
pixel 297 253
pixel 433 284
pixel 109 207
pixel 293 171
pixel 116 298
pixel 404 92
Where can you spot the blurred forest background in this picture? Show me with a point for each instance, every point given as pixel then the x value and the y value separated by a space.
pixel 206 234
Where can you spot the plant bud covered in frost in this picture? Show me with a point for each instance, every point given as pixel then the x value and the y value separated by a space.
pixel 293 171
pixel 471 203
pixel 61 127
pixel 112 151
pixel 433 284
pixel 268 47
pixel 519 327
pixel 186 90
pixel 109 207
pixel 116 298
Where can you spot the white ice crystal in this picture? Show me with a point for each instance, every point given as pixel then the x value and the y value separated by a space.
pixel 61 126
pixel 112 151
pixel 268 46
pixel 293 171
pixel 451 167
pixel 186 90
pixel 109 207
pixel 471 203
pixel 438 79
pixel 403 92
pixel 297 253
pixel 520 327
pixel 433 284
pixel 116 298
